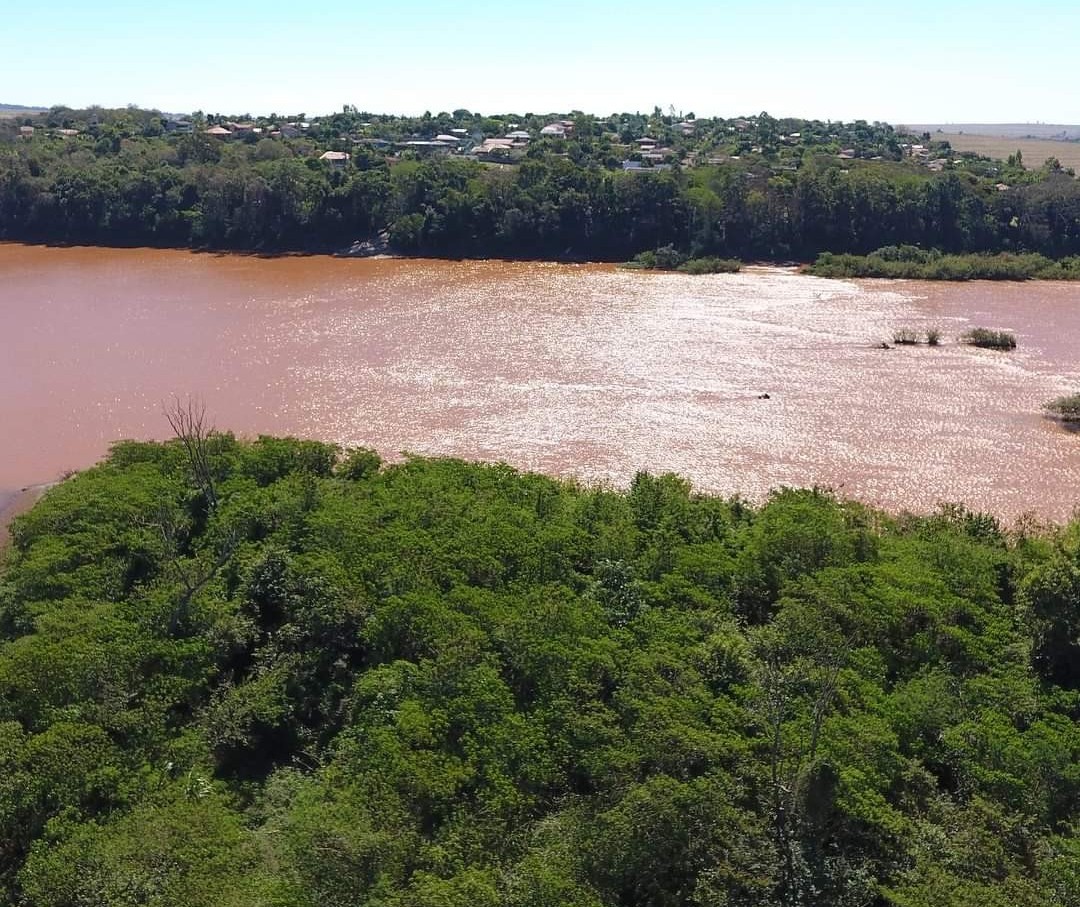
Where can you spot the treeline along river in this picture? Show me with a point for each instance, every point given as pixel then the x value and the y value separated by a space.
pixel 576 370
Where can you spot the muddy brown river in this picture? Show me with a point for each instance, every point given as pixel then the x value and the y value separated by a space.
pixel 582 371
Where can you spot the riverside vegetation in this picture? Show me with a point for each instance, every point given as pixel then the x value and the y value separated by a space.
pixel 1066 408
pixel 912 263
pixel 670 259
pixel 987 339
pixel 753 188
pixel 271 673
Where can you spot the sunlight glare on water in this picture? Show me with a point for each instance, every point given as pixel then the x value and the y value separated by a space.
pixel 583 371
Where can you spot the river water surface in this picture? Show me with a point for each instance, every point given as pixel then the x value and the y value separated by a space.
pixel 583 371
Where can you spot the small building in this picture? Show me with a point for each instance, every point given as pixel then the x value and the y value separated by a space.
pixel 496 150
pixel 218 131
pixel 554 130
pixel 492 146
pixel 647 142
pixel 67 133
pixel 639 167
pixel 425 147
pixel 336 159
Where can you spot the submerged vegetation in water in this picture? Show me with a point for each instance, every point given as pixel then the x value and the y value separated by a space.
pixel 990 340
pixel 910 262
pixel 912 337
pixel 267 673
pixel 1066 408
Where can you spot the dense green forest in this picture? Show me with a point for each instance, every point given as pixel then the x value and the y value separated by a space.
pixel 244 673
pixel 751 188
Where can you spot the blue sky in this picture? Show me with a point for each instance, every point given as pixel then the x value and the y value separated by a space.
pixel 903 62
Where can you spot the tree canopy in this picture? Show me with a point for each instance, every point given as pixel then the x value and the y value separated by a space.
pixel 279 673
pixel 757 188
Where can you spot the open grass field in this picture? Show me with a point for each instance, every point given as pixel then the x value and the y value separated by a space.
pixel 1035 151
pixel 1058 131
pixel 7 112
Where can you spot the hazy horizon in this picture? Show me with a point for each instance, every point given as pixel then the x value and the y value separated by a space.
pixel 283 112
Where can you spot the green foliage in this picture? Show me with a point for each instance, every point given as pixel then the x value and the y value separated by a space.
pixel 710 265
pixel 910 263
pixel 990 340
pixel 670 259
pixel 743 189
pixel 436 683
pixel 1066 408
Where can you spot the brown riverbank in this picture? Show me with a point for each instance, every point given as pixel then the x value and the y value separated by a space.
pixel 575 370
pixel 14 503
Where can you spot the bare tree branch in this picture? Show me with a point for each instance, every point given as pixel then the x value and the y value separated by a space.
pixel 187 418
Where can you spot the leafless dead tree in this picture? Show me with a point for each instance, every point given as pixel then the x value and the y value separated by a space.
pixel 187 418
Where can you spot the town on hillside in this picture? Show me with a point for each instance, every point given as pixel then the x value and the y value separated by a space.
pixel 635 143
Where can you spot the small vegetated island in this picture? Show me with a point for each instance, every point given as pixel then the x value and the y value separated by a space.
pixel 270 672
pixel 988 339
pixel 670 259
pixel 855 199
pixel 1065 409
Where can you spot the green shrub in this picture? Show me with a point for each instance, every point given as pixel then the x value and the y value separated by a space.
pixel 933 337
pixel 990 340
pixel 912 263
pixel 359 463
pixel 710 265
pixel 644 261
pixel 1066 408
pixel 668 258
